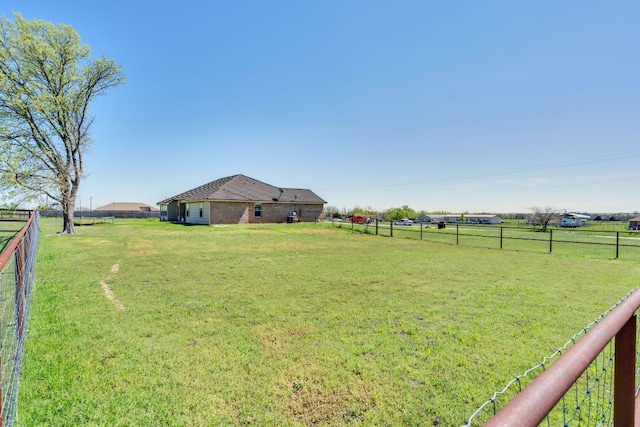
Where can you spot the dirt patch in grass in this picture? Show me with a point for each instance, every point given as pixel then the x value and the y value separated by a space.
pixel 108 292
pixel 311 402
pixel 281 339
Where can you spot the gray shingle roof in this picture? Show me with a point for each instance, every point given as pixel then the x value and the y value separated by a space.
pixel 243 188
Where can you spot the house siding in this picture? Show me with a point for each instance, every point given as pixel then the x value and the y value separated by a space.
pixel 194 213
pixel 172 211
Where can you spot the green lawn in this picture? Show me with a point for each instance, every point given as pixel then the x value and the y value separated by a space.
pixel 290 324
pixel 8 229
pixel 581 242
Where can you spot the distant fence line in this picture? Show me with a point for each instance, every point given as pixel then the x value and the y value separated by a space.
pixel 17 265
pixel 596 243
pixel 15 214
pixel 101 214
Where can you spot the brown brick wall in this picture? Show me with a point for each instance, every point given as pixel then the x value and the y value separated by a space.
pixel 228 213
pixel 239 212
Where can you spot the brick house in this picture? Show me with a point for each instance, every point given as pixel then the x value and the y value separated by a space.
pixel 239 199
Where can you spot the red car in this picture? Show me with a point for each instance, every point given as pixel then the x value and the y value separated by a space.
pixel 360 219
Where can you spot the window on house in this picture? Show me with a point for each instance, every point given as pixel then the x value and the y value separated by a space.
pixel 201 206
pixel 257 210
pixel 187 210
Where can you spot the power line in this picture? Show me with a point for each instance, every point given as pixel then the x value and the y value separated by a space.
pixel 554 165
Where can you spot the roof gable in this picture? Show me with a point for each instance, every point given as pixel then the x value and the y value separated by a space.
pixel 242 188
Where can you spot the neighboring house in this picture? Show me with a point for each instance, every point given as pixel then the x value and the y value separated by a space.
pixel 468 219
pixel 573 220
pixel 239 199
pixel 634 223
pixel 125 210
pixel 126 207
pixel 424 218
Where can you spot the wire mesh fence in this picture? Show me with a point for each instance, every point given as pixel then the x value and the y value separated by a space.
pixel 17 265
pixel 588 402
pixel 590 243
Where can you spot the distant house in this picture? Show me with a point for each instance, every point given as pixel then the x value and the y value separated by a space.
pixel 127 207
pixel 634 223
pixel 573 220
pixel 468 219
pixel 424 218
pixel 239 199
pixel 126 210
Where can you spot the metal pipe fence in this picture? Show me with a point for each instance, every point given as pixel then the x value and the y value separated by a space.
pixel 593 243
pixel 590 381
pixel 17 266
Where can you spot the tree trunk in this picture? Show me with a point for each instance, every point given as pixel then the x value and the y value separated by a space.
pixel 68 206
pixel 68 226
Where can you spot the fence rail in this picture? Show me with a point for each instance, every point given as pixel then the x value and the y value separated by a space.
pixel 17 265
pixel 592 382
pixel 596 243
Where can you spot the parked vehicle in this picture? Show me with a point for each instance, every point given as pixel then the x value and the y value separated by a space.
pixel 360 219
pixel 403 222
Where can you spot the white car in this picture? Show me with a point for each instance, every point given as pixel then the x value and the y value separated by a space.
pixel 403 222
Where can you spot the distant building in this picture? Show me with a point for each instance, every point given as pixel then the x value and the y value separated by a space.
pixel 468 219
pixel 634 223
pixel 127 207
pixel 573 220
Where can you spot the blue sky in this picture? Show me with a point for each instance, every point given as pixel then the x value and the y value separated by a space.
pixel 490 106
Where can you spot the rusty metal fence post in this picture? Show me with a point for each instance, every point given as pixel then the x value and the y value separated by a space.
pixel 624 375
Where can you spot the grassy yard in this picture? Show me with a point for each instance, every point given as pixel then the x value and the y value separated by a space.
pixel 8 230
pixel 603 244
pixel 290 324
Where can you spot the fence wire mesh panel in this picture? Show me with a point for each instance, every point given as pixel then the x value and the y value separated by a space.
pixel 17 265
pixel 603 244
pixel 588 402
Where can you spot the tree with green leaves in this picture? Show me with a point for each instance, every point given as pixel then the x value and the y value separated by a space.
pixel 405 211
pixel 47 83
